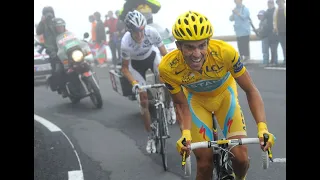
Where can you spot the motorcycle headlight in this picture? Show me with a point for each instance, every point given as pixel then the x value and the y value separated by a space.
pixel 77 55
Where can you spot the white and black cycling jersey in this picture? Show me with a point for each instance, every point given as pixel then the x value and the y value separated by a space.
pixel 130 50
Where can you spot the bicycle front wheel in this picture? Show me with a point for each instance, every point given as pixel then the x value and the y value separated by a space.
pixel 162 138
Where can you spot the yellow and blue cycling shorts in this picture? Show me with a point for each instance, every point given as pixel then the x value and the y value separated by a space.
pixel 227 111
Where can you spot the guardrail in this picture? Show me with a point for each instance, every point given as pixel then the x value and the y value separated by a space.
pixel 229 38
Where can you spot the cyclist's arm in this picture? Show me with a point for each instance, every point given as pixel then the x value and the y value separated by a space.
pixel 163 50
pixel 253 96
pixel 178 98
pixel 241 75
pixel 126 72
pixel 157 41
pixel 125 52
pixel 182 110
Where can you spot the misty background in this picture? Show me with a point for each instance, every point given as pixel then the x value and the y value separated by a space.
pixel 76 14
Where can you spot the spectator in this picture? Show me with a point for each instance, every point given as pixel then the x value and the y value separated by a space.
pixel 93 28
pixel 93 45
pixel 111 24
pixel 272 37
pixel 101 40
pixel 146 7
pixel 279 25
pixel 121 29
pixel 241 17
pixel 262 33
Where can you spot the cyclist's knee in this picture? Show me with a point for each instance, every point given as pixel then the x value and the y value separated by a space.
pixel 241 161
pixel 144 99
pixel 241 155
pixel 204 162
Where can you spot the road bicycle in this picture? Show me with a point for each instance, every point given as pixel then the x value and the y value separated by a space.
pixel 221 149
pixel 159 125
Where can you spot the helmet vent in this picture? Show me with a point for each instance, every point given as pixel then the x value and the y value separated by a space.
pixel 177 33
pixel 186 22
pixel 195 29
pixel 193 18
pixel 189 32
pixel 201 31
pixel 182 32
pixel 201 20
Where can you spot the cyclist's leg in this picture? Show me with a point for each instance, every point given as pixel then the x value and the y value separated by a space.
pixel 231 121
pixel 201 130
pixel 139 76
pixel 168 100
pixel 138 69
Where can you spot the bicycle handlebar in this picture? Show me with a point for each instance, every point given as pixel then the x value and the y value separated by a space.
pixel 152 86
pixel 230 142
pixel 186 164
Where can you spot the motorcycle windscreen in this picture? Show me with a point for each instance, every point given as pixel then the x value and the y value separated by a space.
pixel 67 41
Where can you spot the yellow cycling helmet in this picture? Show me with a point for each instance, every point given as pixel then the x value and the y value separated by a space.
pixel 192 26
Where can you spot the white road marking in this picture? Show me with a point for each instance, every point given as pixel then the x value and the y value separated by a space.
pixel 279 160
pixel 72 175
pixel 276 68
pixel 46 123
pixel 75 175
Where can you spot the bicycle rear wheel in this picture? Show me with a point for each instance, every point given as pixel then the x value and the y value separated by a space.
pixel 162 133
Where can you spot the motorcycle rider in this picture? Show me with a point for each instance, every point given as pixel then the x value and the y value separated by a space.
pixel 60 27
pixel 46 27
pixel 138 55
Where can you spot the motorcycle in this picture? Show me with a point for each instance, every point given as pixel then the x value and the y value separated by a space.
pixel 81 80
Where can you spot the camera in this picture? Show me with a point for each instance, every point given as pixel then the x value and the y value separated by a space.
pixel 49 16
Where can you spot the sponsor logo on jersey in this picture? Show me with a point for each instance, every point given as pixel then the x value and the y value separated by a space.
pixel 207 85
pixel 237 67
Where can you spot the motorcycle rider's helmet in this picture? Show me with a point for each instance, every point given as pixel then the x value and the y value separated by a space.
pixel 59 24
pixel 48 12
pixel 135 21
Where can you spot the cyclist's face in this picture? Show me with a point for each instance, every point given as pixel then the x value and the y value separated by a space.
pixel 194 53
pixel 138 36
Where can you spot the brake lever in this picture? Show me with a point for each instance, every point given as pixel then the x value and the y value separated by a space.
pixel 265 140
pixel 183 162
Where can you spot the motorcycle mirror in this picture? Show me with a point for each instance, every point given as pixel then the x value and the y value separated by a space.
pixel 85 35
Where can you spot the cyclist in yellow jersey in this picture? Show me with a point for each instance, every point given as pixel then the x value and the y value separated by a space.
pixel 201 75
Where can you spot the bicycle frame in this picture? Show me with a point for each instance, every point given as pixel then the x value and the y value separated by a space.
pixel 159 101
pixel 160 125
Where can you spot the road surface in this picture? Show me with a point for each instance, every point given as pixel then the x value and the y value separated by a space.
pixel 109 144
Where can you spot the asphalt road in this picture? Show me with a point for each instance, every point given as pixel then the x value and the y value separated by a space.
pixel 110 142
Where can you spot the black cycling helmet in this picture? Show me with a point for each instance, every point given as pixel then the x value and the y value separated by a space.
pixel 59 22
pixel 46 10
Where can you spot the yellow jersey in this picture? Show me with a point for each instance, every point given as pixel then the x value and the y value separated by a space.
pixel 220 67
